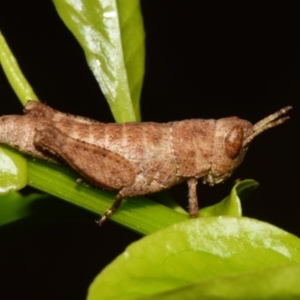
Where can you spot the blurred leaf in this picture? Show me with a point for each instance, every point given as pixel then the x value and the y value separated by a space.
pixel 13 166
pixel 13 170
pixel 112 36
pixel 14 206
pixel 231 205
pixel 198 253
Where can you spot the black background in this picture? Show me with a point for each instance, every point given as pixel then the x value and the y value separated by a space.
pixel 206 59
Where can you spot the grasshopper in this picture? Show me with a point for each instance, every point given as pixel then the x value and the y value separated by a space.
pixel 136 158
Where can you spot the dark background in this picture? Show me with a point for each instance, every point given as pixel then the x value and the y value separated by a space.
pixel 206 59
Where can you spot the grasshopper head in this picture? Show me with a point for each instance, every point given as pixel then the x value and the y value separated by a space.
pixel 232 139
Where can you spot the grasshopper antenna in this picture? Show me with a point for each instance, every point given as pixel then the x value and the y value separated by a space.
pixel 269 122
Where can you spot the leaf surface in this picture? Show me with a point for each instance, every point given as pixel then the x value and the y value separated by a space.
pixel 13 170
pixel 231 205
pixel 199 252
pixel 112 37
pixel 14 206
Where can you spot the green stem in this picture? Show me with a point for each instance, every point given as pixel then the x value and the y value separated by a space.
pixel 139 214
pixel 14 74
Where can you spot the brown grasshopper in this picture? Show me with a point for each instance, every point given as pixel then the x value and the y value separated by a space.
pixel 136 158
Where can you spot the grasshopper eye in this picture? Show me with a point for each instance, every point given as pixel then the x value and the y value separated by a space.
pixel 234 141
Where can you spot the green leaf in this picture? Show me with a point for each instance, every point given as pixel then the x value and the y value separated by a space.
pixel 13 167
pixel 231 205
pixel 14 74
pixel 13 170
pixel 272 283
pixel 112 37
pixel 199 253
pixel 14 206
